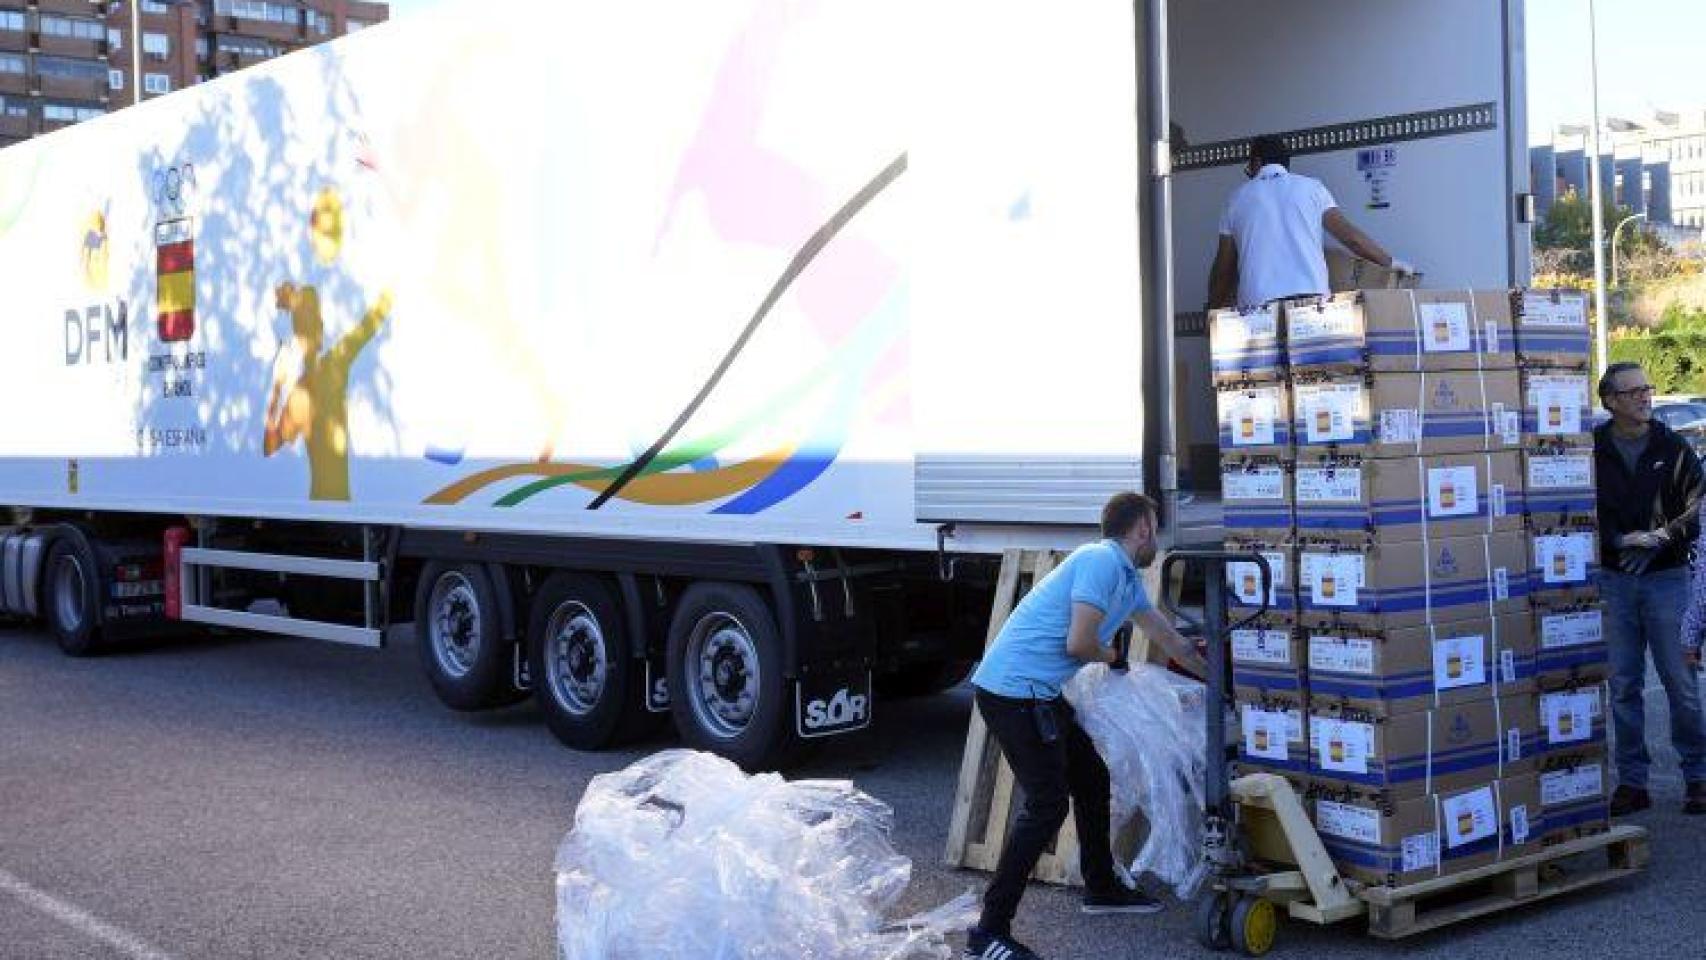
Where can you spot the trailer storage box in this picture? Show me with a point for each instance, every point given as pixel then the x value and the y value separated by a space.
pixel 1413 754
pixel 1256 495
pixel 1391 585
pixel 1347 271
pixel 1255 420
pixel 1574 798
pixel 1569 646
pixel 1572 721
pixel 1246 344
pixel 1558 487
pixel 1389 330
pixel 1268 658
pixel 1406 414
pixel 1244 580
pixel 1409 498
pixel 1557 409
pixel 1565 567
pixel 1443 833
pixel 1552 328
pixel 1392 672
pixel 1273 732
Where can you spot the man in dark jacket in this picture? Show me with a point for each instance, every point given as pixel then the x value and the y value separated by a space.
pixel 1649 514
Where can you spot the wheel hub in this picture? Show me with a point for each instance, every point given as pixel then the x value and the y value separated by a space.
pixel 576 665
pixel 724 659
pixel 455 633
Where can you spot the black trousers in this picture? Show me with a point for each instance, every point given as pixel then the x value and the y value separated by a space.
pixel 1051 775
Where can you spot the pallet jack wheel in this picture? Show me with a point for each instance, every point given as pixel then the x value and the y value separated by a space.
pixel 1213 915
pixel 1254 926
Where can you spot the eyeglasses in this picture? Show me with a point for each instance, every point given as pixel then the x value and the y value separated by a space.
pixel 1634 393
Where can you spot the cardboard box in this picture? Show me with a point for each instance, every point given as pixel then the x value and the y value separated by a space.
pixel 1255 497
pixel 1255 420
pixel 1246 344
pixel 1564 567
pixel 1406 414
pixel 1389 330
pixel 1393 672
pixel 1557 409
pixel 1558 487
pixel 1408 498
pixel 1347 271
pixel 1552 328
pixel 1414 754
pixel 1392 585
pixel 1430 836
pixel 1267 659
pixel 1575 798
pixel 1244 580
pixel 1273 733
pixel 1570 646
pixel 1572 722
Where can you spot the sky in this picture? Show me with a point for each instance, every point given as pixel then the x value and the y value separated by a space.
pixel 1649 56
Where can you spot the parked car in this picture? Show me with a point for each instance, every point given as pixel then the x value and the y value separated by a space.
pixel 1688 419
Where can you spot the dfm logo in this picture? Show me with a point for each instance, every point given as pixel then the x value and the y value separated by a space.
pixel 97 334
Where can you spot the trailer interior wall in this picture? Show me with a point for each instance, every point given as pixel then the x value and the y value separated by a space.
pixel 1241 68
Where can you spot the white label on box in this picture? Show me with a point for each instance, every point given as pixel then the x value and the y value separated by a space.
pixel 1568 716
pixel 1513 744
pixel 1507 665
pixel 1251 415
pixel 1558 630
pixel 1329 484
pixel 1256 483
pixel 1333 578
pixel 1245 579
pixel 1563 557
pixel 1235 328
pixel 1578 783
pixel 1349 822
pixel 1400 426
pixel 1492 340
pixel 1469 817
pixel 1421 851
pixel 1265 734
pixel 1519 824
pixel 1499 500
pixel 1501 584
pixel 1343 745
pixel 1458 662
pixel 1341 654
pixel 1445 327
pixel 1328 410
pixel 1510 426
pixel 1452 492
pixel 1570 471
pixel 1262 646
pixel 1557 412
pixel 1538 310
pixel 1314 321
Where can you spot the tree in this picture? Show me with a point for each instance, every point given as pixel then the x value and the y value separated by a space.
pixel 1565 238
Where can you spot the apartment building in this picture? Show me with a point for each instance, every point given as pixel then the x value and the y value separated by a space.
pixel 64 61
pixel 1656 167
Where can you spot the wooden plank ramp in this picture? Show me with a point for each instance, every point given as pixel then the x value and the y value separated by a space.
pixel 1397 912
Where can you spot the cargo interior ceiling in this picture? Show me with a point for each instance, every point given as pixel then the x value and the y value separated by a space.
pixel 1437 85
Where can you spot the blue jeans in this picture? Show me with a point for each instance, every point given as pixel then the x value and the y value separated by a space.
pixel 1643 614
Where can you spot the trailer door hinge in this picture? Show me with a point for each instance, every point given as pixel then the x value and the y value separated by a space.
pixel 1163 158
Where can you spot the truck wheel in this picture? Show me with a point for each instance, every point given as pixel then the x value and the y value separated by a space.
pixel 924 679
pixel 726 688
pixel 460 643
pixel 71 591
pixel 585 677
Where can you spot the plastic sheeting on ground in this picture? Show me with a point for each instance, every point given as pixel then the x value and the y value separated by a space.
pixel 1148 725
pixel 683 855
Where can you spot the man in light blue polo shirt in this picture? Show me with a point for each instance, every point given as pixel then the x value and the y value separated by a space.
pixel 1068 620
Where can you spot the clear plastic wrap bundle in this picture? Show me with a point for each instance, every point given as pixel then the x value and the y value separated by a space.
pixel 683 855
pixel 1148 725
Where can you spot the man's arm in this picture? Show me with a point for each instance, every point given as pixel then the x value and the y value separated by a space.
pixel 1223 276
pixel 1158 629
pixel 1686 526
pixel 1082 637
pixel 1357 242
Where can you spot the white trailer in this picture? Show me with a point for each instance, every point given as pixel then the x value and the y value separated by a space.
pixel 680 357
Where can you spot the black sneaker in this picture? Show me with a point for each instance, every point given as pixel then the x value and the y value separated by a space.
pixel 1626 800
pixel 1120 900
pixel 993 946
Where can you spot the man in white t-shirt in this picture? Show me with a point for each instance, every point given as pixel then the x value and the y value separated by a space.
pixel 1270 234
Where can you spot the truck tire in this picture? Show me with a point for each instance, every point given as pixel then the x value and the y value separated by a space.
pixel 459 638
pixel 71 596
pixel 585 677
pixel 924 679
pixel 726 688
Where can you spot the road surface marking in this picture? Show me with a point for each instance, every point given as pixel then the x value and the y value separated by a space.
pixel 80 920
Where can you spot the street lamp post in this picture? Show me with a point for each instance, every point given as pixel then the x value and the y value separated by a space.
pixel 1601 341
pixel 135 54
pixel 1614 232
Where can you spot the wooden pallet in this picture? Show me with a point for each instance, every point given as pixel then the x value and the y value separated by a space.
pixel 1419 907
pixel 983 800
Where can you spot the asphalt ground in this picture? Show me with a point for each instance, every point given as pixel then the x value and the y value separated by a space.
pixel 239 797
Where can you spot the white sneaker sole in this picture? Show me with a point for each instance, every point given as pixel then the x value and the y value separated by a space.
pixel 1130 908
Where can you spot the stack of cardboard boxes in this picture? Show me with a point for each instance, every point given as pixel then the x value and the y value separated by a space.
pixel 1416 466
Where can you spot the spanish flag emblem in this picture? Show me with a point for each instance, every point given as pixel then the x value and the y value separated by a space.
pixel 174 250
